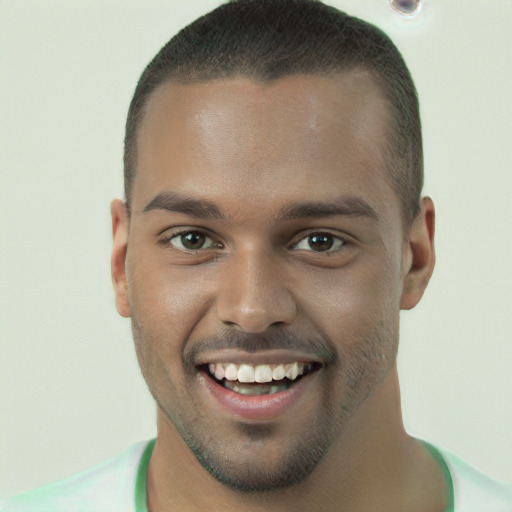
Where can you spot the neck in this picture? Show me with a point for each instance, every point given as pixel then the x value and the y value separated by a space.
pixel 373 466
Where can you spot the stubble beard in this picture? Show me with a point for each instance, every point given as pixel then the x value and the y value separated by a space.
pixel 363 367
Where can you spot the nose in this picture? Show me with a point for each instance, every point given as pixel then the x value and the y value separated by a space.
pixel 254 294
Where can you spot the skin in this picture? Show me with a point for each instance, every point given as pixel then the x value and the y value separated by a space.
pixel 251 150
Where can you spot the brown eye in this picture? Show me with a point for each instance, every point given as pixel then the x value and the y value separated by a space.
pixel 320 242
pixel 192 241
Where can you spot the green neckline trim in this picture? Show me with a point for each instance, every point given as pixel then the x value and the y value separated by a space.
pixel 446 473
pixel 141 503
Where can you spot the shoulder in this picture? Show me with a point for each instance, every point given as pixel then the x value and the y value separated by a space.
pixel 474 491
pixel 107 487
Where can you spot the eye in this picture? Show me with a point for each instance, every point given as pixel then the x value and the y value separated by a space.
pixel 320 242
pixel 192 241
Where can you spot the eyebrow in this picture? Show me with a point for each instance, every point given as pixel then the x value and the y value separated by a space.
pixel 347 206
pixel 173 202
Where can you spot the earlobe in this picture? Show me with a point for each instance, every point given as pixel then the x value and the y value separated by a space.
pixel 118 261
pixel 419 258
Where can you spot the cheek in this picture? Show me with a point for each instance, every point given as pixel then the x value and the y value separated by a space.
pixel 352 302
pixel 166 306
pixel 167 300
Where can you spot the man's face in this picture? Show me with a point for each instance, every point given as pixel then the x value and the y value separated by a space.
pixel 264 233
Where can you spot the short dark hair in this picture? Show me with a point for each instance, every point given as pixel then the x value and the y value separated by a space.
pixel 269 39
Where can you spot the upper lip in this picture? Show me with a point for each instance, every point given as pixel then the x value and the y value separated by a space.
pixel 275 356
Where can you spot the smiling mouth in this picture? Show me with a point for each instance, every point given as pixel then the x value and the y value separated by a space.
pixel 262 379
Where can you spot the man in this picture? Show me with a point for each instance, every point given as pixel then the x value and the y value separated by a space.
pixel 272 230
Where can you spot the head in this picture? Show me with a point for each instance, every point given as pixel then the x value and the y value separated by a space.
pixel 273 232
pixel 266 40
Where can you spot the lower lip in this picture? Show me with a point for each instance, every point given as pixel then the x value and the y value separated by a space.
pixel 258 407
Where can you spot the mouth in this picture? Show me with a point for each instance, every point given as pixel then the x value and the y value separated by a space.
pixel 258 379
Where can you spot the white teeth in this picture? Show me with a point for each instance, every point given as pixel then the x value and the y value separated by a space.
pixel 246 373
pixel 231 372
pixel 262 373
pixel 219 372
pixel 267 389
pixel 279 372
pixel 293 371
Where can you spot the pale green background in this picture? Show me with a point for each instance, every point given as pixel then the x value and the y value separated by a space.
pixel 71 392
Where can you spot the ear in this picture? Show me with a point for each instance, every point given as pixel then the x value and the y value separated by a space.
pixel 419 255
pixel 118 261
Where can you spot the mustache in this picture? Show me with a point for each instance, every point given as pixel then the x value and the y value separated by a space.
pixel 276 339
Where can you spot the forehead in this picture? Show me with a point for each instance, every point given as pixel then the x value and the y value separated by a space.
pixel 296 138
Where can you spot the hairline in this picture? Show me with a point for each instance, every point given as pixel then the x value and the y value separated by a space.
pixel 190 79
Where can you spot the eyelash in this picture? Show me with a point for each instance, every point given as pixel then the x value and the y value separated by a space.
pixel 168 240
pixel 339 241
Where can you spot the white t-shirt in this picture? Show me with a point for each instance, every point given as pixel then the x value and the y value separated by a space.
pixel 118 485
